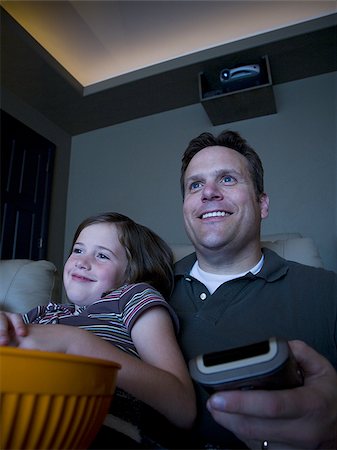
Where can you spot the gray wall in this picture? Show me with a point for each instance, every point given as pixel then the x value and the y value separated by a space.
pixel 134 167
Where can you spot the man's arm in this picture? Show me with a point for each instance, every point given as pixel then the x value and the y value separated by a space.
pixel 304 417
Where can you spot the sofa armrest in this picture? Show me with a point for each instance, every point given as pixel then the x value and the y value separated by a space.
pixel 25 284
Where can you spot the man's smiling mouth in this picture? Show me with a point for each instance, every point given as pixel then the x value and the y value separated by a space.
pixel 215 214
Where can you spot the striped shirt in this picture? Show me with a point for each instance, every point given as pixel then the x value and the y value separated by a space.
pixel 111 317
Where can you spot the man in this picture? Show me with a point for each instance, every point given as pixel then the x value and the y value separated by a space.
pixel 230 292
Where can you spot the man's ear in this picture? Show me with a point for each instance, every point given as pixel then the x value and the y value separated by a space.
pixel 264 205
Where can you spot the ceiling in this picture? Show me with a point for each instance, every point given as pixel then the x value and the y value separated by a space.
pixel 89 64
pixel 100 40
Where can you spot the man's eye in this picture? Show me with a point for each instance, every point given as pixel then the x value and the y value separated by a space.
pixel 195 185
pixel 228 179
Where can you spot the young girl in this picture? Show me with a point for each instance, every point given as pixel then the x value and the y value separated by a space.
pixel 116 278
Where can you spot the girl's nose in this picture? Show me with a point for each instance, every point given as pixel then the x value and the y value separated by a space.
pixel 82 263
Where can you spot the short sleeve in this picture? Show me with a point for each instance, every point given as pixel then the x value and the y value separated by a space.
pixel 137 298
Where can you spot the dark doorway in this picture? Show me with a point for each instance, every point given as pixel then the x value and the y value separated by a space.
pixel 27 161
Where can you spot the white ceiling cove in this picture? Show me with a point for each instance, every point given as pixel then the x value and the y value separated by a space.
pixel 97 41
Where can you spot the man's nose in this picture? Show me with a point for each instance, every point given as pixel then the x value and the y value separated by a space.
pixel 211 191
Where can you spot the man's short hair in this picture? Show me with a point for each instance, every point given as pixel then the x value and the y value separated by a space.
pixel 232 140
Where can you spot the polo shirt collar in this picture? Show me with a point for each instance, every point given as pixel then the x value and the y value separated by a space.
pixel 274 266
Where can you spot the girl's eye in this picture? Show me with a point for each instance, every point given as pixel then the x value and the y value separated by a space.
pixel 102 256
pixel 77 250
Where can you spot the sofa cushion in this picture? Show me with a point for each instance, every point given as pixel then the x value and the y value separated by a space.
pixel 289 246
pixel 301 250
pixel 25 284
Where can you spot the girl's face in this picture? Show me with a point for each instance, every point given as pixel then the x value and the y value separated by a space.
pixel 96 265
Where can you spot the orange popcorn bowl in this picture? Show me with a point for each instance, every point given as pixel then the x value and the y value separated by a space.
pixel 52 400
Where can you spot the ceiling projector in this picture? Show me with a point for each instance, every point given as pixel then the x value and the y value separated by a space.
pixel 240 73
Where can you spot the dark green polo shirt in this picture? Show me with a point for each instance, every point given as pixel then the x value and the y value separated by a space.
pixel 285 299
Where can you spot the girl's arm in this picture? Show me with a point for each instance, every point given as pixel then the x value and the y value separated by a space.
pixel 161 380
pixel 11 327
pixel 168 382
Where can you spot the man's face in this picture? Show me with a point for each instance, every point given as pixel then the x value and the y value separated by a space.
pixel 220 206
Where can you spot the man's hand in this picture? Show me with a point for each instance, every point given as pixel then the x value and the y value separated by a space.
pixel 12 327
pixel 304 417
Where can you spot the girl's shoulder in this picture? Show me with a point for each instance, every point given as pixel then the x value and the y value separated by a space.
pixel 131 289
pixel 136 288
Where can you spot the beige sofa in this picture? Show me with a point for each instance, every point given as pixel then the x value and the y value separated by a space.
pixel 25 284
pixel 291 246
